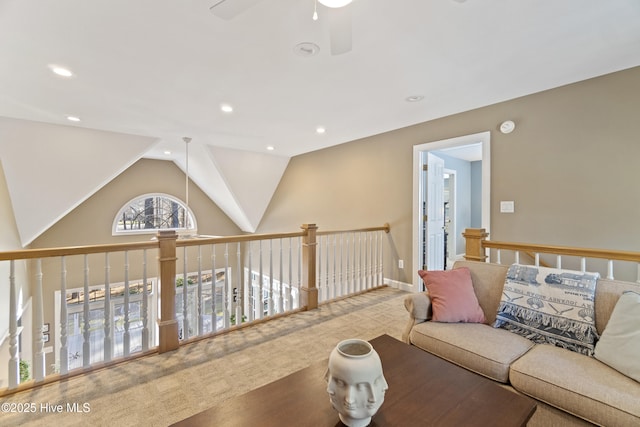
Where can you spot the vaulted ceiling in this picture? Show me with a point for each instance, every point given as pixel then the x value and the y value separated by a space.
pixel 147 73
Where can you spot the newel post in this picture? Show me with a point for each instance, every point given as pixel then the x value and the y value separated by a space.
pixel 474 248
pixel 167 323
pixel 309 292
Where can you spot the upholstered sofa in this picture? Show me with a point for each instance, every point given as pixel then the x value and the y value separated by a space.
pixel 570 388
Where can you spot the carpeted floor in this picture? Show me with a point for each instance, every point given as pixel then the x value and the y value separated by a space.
pixel 162 389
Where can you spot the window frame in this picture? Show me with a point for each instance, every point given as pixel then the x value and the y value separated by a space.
pixel 115 231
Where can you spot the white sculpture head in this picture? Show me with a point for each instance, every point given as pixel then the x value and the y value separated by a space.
pixel 355 382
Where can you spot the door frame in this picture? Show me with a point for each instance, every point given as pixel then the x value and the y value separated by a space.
pixel 485 139
pixel 452 243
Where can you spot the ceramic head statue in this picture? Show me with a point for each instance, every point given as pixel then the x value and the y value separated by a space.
pixel 355 382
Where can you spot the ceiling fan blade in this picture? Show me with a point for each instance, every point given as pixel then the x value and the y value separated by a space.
pixel 340 30
pixel 229 9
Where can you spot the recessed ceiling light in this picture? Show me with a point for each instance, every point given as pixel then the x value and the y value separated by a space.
pixel 73 118
pixel 414 98
pixel 271 148
pixel 61 71
pixel 167 153
pixel 226 108
pixel 335 3
pixel 306 49
pixel 320 130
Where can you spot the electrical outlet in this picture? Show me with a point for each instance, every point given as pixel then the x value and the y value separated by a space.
pixel 400 263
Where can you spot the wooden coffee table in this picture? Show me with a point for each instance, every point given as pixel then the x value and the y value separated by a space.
pixel 424 390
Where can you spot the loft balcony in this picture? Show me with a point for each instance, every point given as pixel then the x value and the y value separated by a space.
pixel 79 309
pixel 162 389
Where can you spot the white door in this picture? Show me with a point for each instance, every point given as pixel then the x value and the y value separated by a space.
pixel 434 213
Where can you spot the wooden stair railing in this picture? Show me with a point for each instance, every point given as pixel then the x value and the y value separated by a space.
pixel 477 246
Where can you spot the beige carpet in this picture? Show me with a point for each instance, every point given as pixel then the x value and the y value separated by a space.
pixel 162 389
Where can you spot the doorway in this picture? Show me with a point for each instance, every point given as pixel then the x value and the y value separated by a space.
pixel 453 147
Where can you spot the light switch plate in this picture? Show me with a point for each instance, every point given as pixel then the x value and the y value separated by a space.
pixel 507 206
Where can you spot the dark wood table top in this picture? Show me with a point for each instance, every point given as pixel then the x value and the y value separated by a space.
pixel 424 390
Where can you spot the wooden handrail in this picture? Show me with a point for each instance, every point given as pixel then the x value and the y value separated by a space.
pixel 75 250
pixel 386 228
pixel 235 239
pixel 565 250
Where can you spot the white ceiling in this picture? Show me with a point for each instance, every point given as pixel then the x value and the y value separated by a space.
pixel 162 68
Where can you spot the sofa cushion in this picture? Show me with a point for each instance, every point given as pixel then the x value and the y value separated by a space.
pixel 452 296
pixel 487 280
pixel 475 346
pixel 619 346
pixel 607 293
pixel 578 384
pixel 549 305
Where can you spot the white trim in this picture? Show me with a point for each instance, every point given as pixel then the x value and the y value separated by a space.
pixel 403 286
pixel 485 139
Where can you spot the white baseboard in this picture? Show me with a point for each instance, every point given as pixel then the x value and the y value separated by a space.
pixel 403 286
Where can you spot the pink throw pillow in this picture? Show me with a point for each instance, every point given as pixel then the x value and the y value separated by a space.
pixel 452 296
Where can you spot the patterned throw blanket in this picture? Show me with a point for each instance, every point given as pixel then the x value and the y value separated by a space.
pixel 548 305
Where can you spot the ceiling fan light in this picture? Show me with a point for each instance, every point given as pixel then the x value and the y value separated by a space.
pixel 335 3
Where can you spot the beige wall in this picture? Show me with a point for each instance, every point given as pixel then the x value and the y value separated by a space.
pixel 571 166
pixel 91 222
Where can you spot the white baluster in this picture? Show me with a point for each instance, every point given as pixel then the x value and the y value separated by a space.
pixel 240 309
pixel 347 270
pixel 185 296
pixel 610 269
pixel 537 259
pixel 290 277
pixel 321 296
pixel 583 264
pixel 200 314
pixel 334 276
pixel 342 276
pixel 252 295
pixel 228 294
pixel 126 339
pixel 214 288
pixel 559 261
pixel 498 256
pixel 517 257
pixel 327 285
pixel 381 268
pixel 299 254
pixel 362 245
pixel 64 350
pixel 368 264
pixel 354 271
pixel 38 326
pixel 638 274
pixel 107 310
pixel 86 335
pixel 14 361
pixel 260 299
pixel 281 305
pixel 145 304
pixel 377 267
pixel 271 277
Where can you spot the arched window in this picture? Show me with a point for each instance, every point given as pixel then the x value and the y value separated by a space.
pixel 151 212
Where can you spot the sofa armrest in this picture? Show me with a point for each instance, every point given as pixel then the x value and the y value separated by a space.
pixel 419 307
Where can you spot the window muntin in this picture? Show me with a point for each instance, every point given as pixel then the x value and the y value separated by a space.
pixel 151 212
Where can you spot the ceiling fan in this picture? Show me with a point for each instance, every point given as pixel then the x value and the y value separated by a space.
pixel 339 17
